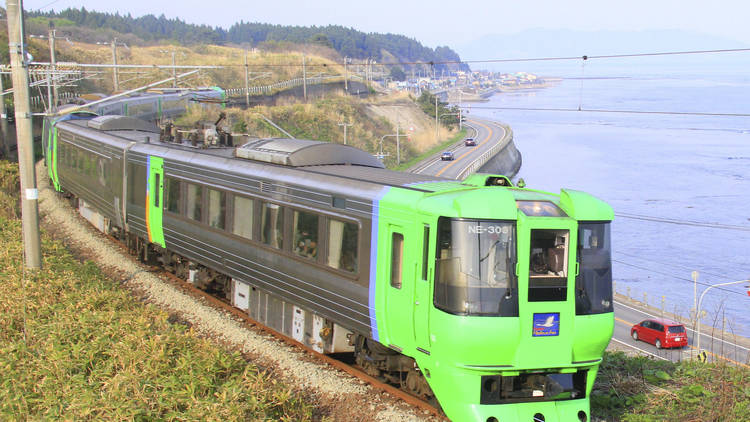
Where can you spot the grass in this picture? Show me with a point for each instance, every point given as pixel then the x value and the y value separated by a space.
pixel 434 150
pixel 641 389
pixel 76 345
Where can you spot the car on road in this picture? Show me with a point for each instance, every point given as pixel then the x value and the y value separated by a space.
pixel 660 332
pixel 447 156
pixel 470 142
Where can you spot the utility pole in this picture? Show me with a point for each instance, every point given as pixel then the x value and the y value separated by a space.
pixel 345 125
pixel 174 70
pixel 436 119
pixel 4 122
pixel 53 65
pixel 116 81
pixel 247 83
pixel 304 78
pixel 398 143
pixel 24 136
pixel 346 80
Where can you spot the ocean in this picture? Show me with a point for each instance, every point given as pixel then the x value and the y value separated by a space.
pixel 679 183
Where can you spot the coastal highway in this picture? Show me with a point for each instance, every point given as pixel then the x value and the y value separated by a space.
pixel 627 312
pixel 485 132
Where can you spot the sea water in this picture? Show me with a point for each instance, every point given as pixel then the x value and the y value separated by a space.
pixel 693 170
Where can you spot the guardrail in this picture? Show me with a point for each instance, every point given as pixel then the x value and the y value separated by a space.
pixel 484 158
pixel 279 86
pixel 41 100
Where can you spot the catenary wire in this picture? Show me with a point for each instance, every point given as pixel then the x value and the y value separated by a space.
pixel 593 110
pixel 683 222
pixel 677 266
pixel 674 276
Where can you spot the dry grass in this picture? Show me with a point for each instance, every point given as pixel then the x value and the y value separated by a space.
pixel 75 345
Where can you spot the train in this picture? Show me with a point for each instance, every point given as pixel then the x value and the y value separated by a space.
pixel 491 299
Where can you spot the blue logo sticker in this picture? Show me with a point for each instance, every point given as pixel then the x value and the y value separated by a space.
pixel 546 325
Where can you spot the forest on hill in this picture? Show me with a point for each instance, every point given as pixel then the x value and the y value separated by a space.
pixel 348 42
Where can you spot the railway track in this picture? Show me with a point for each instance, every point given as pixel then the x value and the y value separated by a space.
pixel 51 204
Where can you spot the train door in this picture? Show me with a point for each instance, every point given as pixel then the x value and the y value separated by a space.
pixel 399 287
pixel 422 296
pixel 545 262
pixel 154 200
pixel 50 133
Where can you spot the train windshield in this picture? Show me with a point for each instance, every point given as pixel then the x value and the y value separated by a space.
pixel 475 271
pixel 594 279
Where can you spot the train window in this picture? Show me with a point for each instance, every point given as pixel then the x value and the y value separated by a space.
pixel 594 279
pixel 397 259
pixel 272 225
pixel 217 208
pixel 172 193
pixel 137 184
pixel 155 191
pixel 475 271
pixel 243 217
pixel 305 234
pixel 548 266
pixel 425 251
pixel 194 202
pixel 343 241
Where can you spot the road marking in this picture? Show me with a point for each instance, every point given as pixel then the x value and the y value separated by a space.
pixel 637 348
pixel 489 137
pixel 687 328
pixel 689 345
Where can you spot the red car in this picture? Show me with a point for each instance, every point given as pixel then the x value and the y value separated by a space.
pixel 660 333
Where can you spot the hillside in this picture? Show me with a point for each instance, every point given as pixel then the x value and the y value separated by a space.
pixel 95 26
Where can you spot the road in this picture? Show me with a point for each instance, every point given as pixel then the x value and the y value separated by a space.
pixel 487 133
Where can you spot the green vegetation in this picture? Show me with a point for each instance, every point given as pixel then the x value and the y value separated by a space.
pixel 346 41
pixel 641 389
pixel 434 150
pixel 76 345
pixel 448 115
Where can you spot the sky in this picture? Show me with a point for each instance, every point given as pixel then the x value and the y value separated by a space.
pixel 447 23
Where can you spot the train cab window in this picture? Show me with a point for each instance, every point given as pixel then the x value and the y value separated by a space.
pixel 272 225
pixel 594 279
pixel 194 201
pixel 397 259
pixel 548 265
pixel 217 208
pixel 243 217
pixel 155 191
pixel 305 235
pixel 475 267
pixel 172 194
pixel 343 241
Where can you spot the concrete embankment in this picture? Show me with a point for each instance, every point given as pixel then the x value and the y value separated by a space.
pixel 503 158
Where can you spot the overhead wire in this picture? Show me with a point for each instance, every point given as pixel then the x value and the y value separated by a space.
pixel 675 277
pixel 682 222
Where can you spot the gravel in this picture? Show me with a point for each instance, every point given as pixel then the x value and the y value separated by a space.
pixel 340 393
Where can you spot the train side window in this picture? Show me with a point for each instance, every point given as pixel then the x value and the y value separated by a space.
pixel 217 208
pixel 397 259
pixel 425 251
pixel 155 191
pixel 243 217
pixel 272 224
pixel 137 184
pixel 343 241
pixel 305 234
pixel 194 202
pixel 172 193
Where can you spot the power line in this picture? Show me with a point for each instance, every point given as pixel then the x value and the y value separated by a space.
pixel 678 266
pixel 674 276
pixel 683 222
pixel 592 110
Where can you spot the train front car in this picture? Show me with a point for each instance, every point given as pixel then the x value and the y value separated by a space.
pixel 511 307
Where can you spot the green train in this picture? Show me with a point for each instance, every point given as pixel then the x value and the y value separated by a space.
pixel 491 299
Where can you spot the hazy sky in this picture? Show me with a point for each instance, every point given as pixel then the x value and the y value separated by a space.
pixel 447 23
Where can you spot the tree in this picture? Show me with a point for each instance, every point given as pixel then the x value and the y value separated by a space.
pixel 398 74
